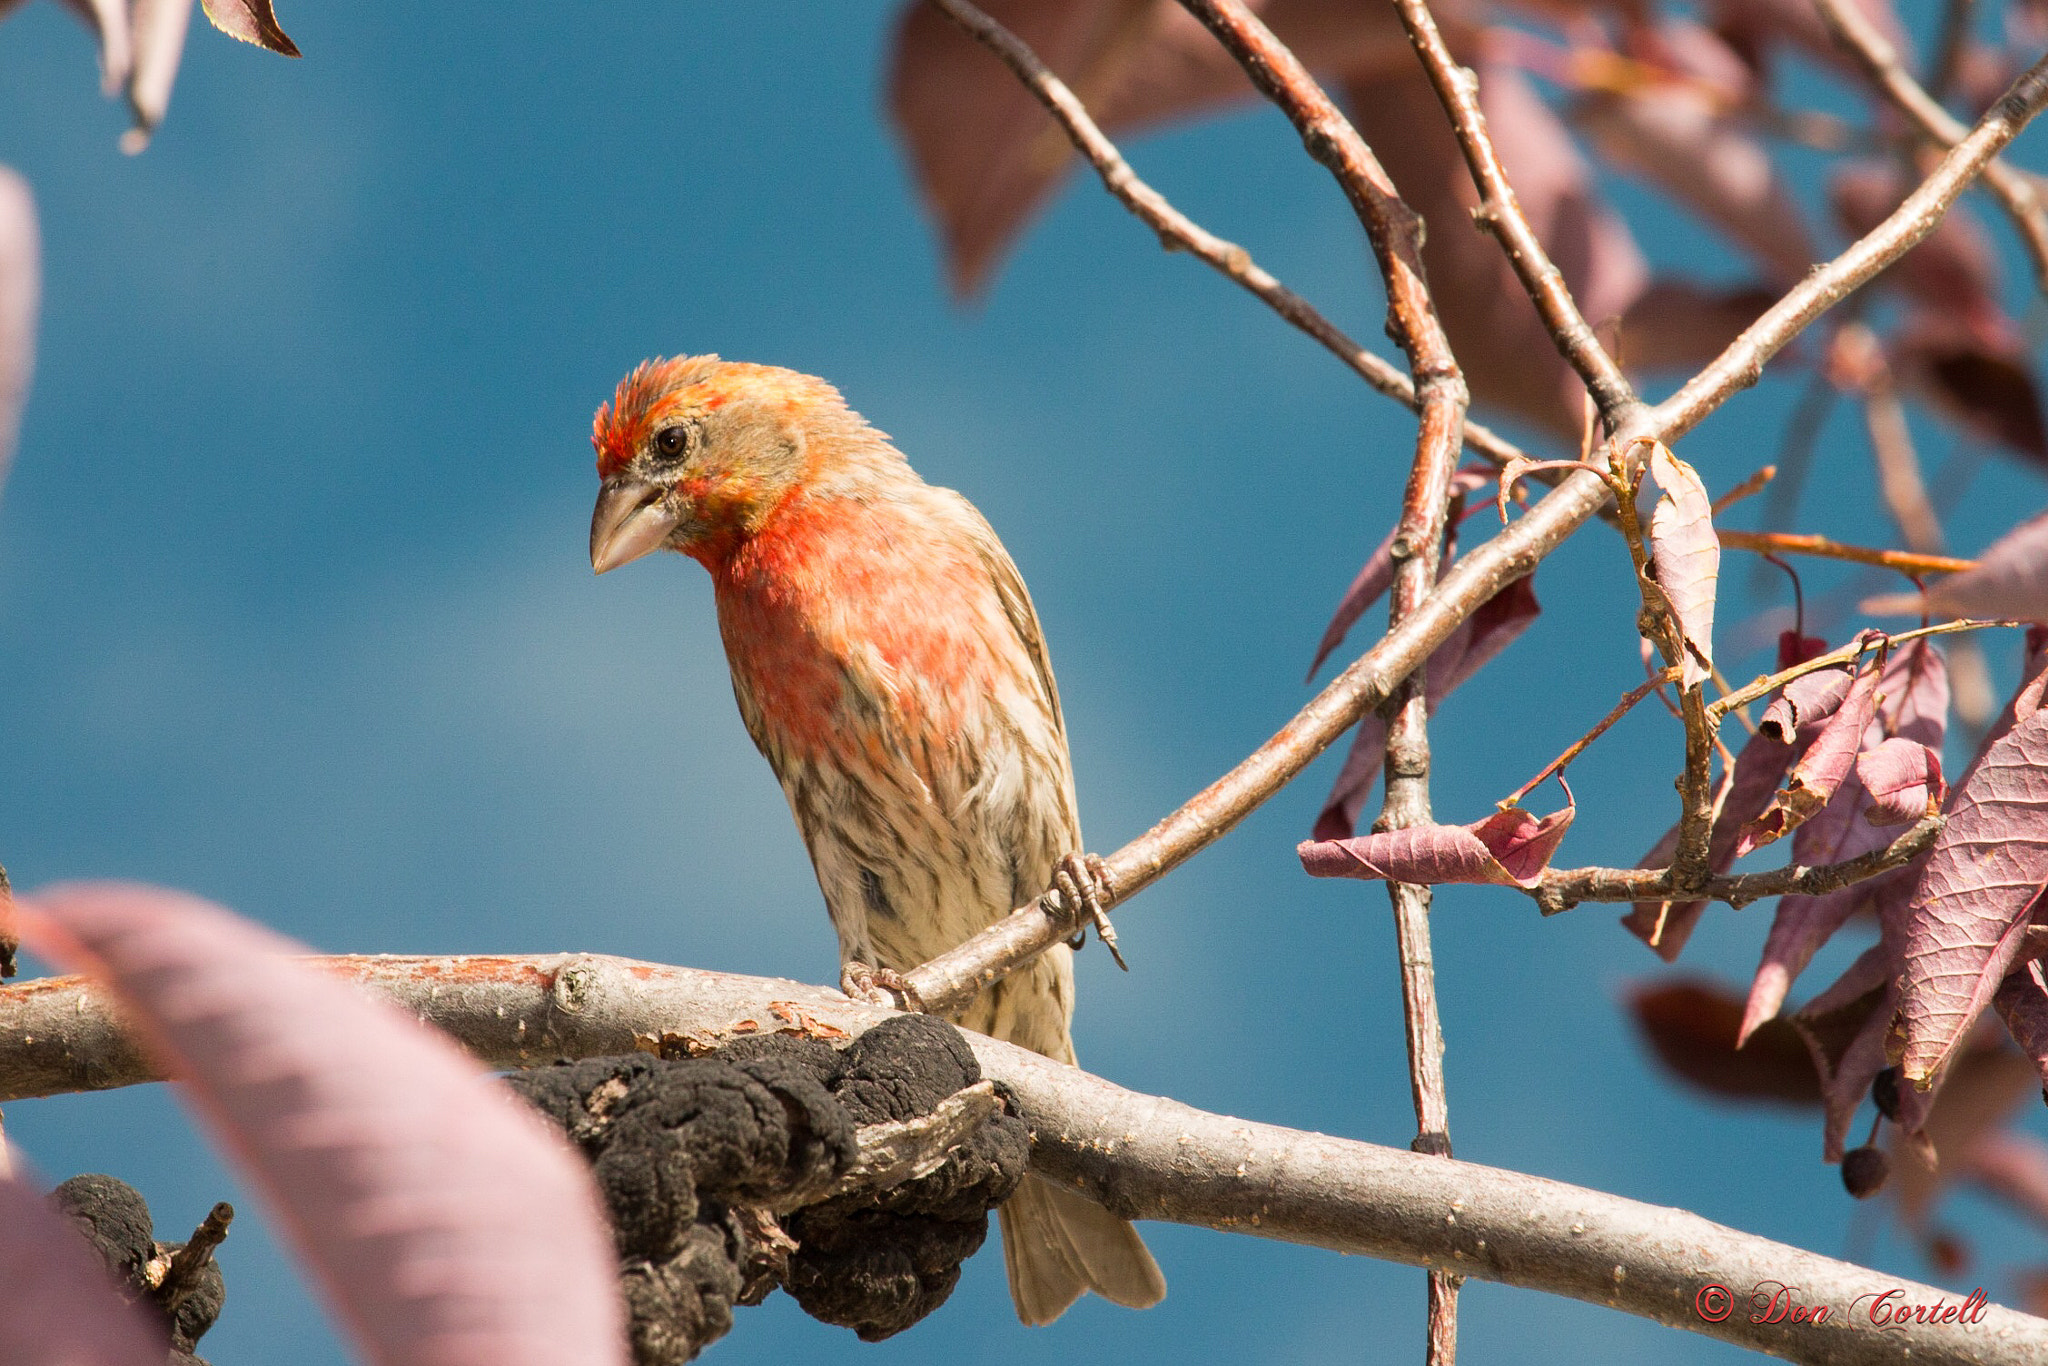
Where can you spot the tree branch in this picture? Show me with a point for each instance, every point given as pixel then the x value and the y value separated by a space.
pixel 1794 543
pixel 1873 52
pixel 1562 889
pixel 1178 232
pixel 1143 1156
pixel 1742 363
pixel 1500 213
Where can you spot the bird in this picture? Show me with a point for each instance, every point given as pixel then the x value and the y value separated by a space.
pixel 889 665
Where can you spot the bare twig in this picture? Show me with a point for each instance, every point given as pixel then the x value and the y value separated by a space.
pixel 1622 708
pixel 1867 45
pixel 181 1276
pixel 1178 232
pixel 1749 487
pixel 952 979
pixel 1741 364
pixel 1794 543
pixel 1143 1156
pixel 1765 684
pixel 1948 47
pixel 1564 888
pixel 1500 213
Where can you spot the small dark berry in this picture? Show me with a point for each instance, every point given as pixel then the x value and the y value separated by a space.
pixel 1884 1090
pixel 1864 1171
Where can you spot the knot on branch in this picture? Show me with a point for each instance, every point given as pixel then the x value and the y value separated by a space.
pixel 858 1181
pixel 113 1217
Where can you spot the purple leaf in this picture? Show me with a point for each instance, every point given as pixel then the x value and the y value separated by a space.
pixel 253 21
pixel 1968 917
pixel 1903 778
pixel 2022 1002
pixel 1977 1097
pixel 2010 580
pixel 1914 686
pixel 1844 1028
pixel 1819 771
pixel 57 1305
pixel 1686 557
pixel 1678 324
pixel 447 1222
pixel 1978 374
pixel 1510 848
pixel 1374 578
pixel 20 292
pixel 1473 645
pixel 1804 703
pixel 1691 1026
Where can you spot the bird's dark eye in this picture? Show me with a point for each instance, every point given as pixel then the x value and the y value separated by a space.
pixel 671 442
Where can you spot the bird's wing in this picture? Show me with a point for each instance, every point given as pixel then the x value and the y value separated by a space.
pixel 1016 600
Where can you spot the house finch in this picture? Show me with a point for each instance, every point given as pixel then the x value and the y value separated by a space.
pixel 887 661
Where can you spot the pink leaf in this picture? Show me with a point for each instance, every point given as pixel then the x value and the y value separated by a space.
pixel 1797 711
pixel 1980 376
pixel 1510 848
pixel 1914 686
pixel 1681 325
pixel 1987 1083
pixel 1464 652
pixel 1903 778
pixel 1953 272
pixel 1686 557
pixel 159 27
pixel 1820 771
pixel 985 153
pixel 2010 580
pixel 108 19
pixel 2013 1167
pixel 1691 1025
pixel 253 21
pixel 1968 917
pixel 2022 1002
pixel 20 292
pixel 1844 1028
pixel 1509 359
pixel 57 1306
pixel 448 1224
pixel 1677 135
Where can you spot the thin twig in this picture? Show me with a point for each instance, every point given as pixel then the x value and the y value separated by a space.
pixel 1500 213
pixel 1867 45
pixel 1742 362
pixel 182 1276
pixel 1766 684
pixel 1747 488
pixel 1143 1156
pixel 1891 445
pixel 951 980
pixel 1564 888
pixel 1794 543
pixel 1948 48
pixel 1178 232
pixel 1622 708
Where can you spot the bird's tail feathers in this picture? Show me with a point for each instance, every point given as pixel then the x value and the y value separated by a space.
pixel 1058 1245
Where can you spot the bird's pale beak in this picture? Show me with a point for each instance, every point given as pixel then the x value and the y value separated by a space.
pixel 631 520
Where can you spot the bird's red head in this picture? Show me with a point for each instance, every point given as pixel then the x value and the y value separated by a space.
pixel 697 453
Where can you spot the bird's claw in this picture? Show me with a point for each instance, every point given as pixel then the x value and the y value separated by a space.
pixel 1082 881
pixel 879 986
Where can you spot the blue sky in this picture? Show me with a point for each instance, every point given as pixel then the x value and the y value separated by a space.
pixel 295 610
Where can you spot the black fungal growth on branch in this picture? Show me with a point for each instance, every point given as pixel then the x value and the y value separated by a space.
pixel 114 1218
pixel 694 1155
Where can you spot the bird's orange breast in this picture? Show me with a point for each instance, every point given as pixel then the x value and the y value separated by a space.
pixel 843 611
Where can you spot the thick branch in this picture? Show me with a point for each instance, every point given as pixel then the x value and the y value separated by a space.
pixel 1870 49
pixel 1178 232
pixel 1144 1156
pixel 1500 213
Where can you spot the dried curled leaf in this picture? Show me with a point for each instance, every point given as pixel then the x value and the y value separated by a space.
pixel 1798 710
pixel 1510 848
pixel 1820 771
pixel 1686 557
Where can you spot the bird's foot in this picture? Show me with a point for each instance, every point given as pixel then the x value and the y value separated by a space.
pixel 1082 881
pixel 879 986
